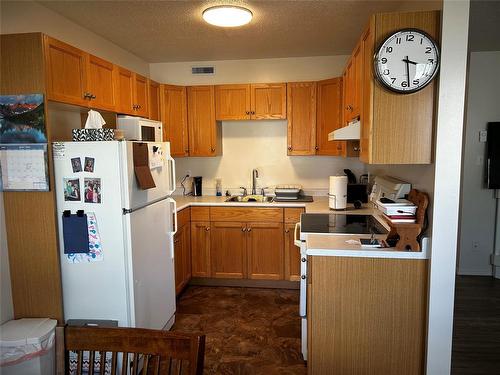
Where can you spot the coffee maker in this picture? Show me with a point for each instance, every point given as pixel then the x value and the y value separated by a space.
pixel 197 186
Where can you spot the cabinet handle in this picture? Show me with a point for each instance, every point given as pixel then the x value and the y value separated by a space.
pixel 316 148
pixel 303 277
pixel 249 229
pixel 247 112
pixel 243 229
pixel 87 95
pixel 287 230
pixel 138 106
pixel 207 229
pixel 252 113
pixel 92 96
pixel 213 149
pixel 289 148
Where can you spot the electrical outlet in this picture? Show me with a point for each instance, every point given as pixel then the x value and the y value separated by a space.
pixel 188 173
pixel 483 136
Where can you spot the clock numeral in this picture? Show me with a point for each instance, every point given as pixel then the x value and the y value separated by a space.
pixel 416 81
pixel 421 40
pixel 388 49
pixel 383 60
pixel 398 40
pixel 409 38
pixel 431 61
pixel 393 79
pixel 386 72
pixel 404 84
pixel 428 49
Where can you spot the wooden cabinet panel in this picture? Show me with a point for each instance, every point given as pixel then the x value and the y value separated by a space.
pixel 301 109
pixel 125 89
pixel 292 255
pixel 154 101
pixel 347 97
pixel 101 83
pixel 174 118
pixel 329 116
pixel 265 251
pixel 203 132
pixel 292 215
pixel 357 91
pixel 232 102
pixel 268 101
pixel 228 250
pixel 141 95
pixel 244 214
pixel 200 249
pixel 182 257
pixel 367 45
pixel 200 213
pixel 356 302
pixel 66 72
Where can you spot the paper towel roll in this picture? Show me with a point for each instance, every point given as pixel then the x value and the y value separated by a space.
pixel 338 192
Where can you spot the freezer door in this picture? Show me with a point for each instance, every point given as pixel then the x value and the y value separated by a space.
pixel 162 168
pixel 151 267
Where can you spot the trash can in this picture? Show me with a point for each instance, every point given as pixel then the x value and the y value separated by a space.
pixel 27 347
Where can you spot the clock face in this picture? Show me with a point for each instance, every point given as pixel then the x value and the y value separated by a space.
pixel 407 61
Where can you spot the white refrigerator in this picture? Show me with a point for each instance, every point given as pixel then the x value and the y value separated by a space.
pixel 129 276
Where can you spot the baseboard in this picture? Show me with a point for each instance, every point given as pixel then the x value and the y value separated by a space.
pixel 245 283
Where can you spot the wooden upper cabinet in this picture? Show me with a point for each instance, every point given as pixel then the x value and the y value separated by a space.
pixel 367 46
pixel 66 72
pixel 265 251
pixel 141 95
pixel 268 101
pixel 204 133
pixel 174 119
pixel 101 83
pixel 329 116
pixel 301 110
pixel 259 101
pixel 154 101
pixel 232 102
pixel 125 88
pixel 357 72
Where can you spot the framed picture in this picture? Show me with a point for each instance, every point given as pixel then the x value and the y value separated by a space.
pixel 92 190
pixel 22 119
pixel 76 164
pixel 72 190
pixel 89 164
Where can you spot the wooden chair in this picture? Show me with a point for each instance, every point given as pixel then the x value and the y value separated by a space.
pixel 133 351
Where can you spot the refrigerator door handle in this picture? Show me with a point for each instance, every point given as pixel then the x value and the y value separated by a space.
pixel 174 226
pixel 171 170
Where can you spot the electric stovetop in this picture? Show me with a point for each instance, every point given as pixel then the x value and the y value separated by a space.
pixel 340 224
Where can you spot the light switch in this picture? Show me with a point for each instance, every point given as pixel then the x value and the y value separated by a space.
pixel 483 136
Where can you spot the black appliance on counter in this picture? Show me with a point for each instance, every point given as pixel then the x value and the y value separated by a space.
pixel 197 186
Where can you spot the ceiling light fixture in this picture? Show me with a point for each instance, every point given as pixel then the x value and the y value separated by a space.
pixel 227 16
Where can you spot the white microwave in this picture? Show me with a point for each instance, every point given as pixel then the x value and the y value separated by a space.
pixel 140 129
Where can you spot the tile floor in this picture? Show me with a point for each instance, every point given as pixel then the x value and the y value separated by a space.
pixel 248 330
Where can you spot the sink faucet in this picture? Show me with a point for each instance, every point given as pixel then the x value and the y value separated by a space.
pixel 255 175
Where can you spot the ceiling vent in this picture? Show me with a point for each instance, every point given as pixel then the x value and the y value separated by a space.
pixel 210 70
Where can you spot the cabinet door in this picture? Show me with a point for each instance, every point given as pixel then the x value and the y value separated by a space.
pixel 179 260
pixel 141 95
pixel 101 83
pixel 347 97
pixel 329 116
pixel 186 253
pixel 301 109
pixel 201 121
pixel 228 250
pixel 268 101
pixel 200 249
pixel 66 73
pixel 232 102
pixel 367 43
pixel 357 72
pixel 265 252
pixel 292 255
pixel 154 101
pixel 125 88
pixel 174 118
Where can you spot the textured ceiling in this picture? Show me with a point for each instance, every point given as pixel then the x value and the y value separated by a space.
pixel 166 31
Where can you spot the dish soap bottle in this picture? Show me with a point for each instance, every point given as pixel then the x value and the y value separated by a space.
pixel 218 187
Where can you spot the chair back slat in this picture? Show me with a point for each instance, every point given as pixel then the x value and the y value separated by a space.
pixel 151 351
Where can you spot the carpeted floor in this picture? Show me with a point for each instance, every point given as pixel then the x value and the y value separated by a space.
pixel 248 330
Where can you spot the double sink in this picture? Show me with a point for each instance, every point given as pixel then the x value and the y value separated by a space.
pixel 250 199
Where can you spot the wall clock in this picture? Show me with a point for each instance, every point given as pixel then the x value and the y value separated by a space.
pixel 406 61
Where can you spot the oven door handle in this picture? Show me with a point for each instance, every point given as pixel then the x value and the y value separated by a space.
pixel 296 235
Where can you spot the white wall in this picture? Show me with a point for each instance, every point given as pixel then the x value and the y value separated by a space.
pixel 29 16
pixel 450 120
pixel 477 224
pixel 262 145
pixel 6 308
pixel 251 71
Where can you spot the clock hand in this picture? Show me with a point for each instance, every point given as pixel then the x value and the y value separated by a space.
pixel 409 61
pixel 407 70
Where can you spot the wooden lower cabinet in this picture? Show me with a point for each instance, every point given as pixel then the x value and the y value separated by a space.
pixel 366 315
pixel 200 249
pixel 265 251
pixel 182 257
pixel 228 250
pixel 292 254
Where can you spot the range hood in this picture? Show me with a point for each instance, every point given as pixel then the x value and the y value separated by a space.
pixel 350 132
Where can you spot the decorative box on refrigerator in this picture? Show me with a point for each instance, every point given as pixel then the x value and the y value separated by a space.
pixel 121 192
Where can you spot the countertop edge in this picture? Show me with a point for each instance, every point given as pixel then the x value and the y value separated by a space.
pixel 422 255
